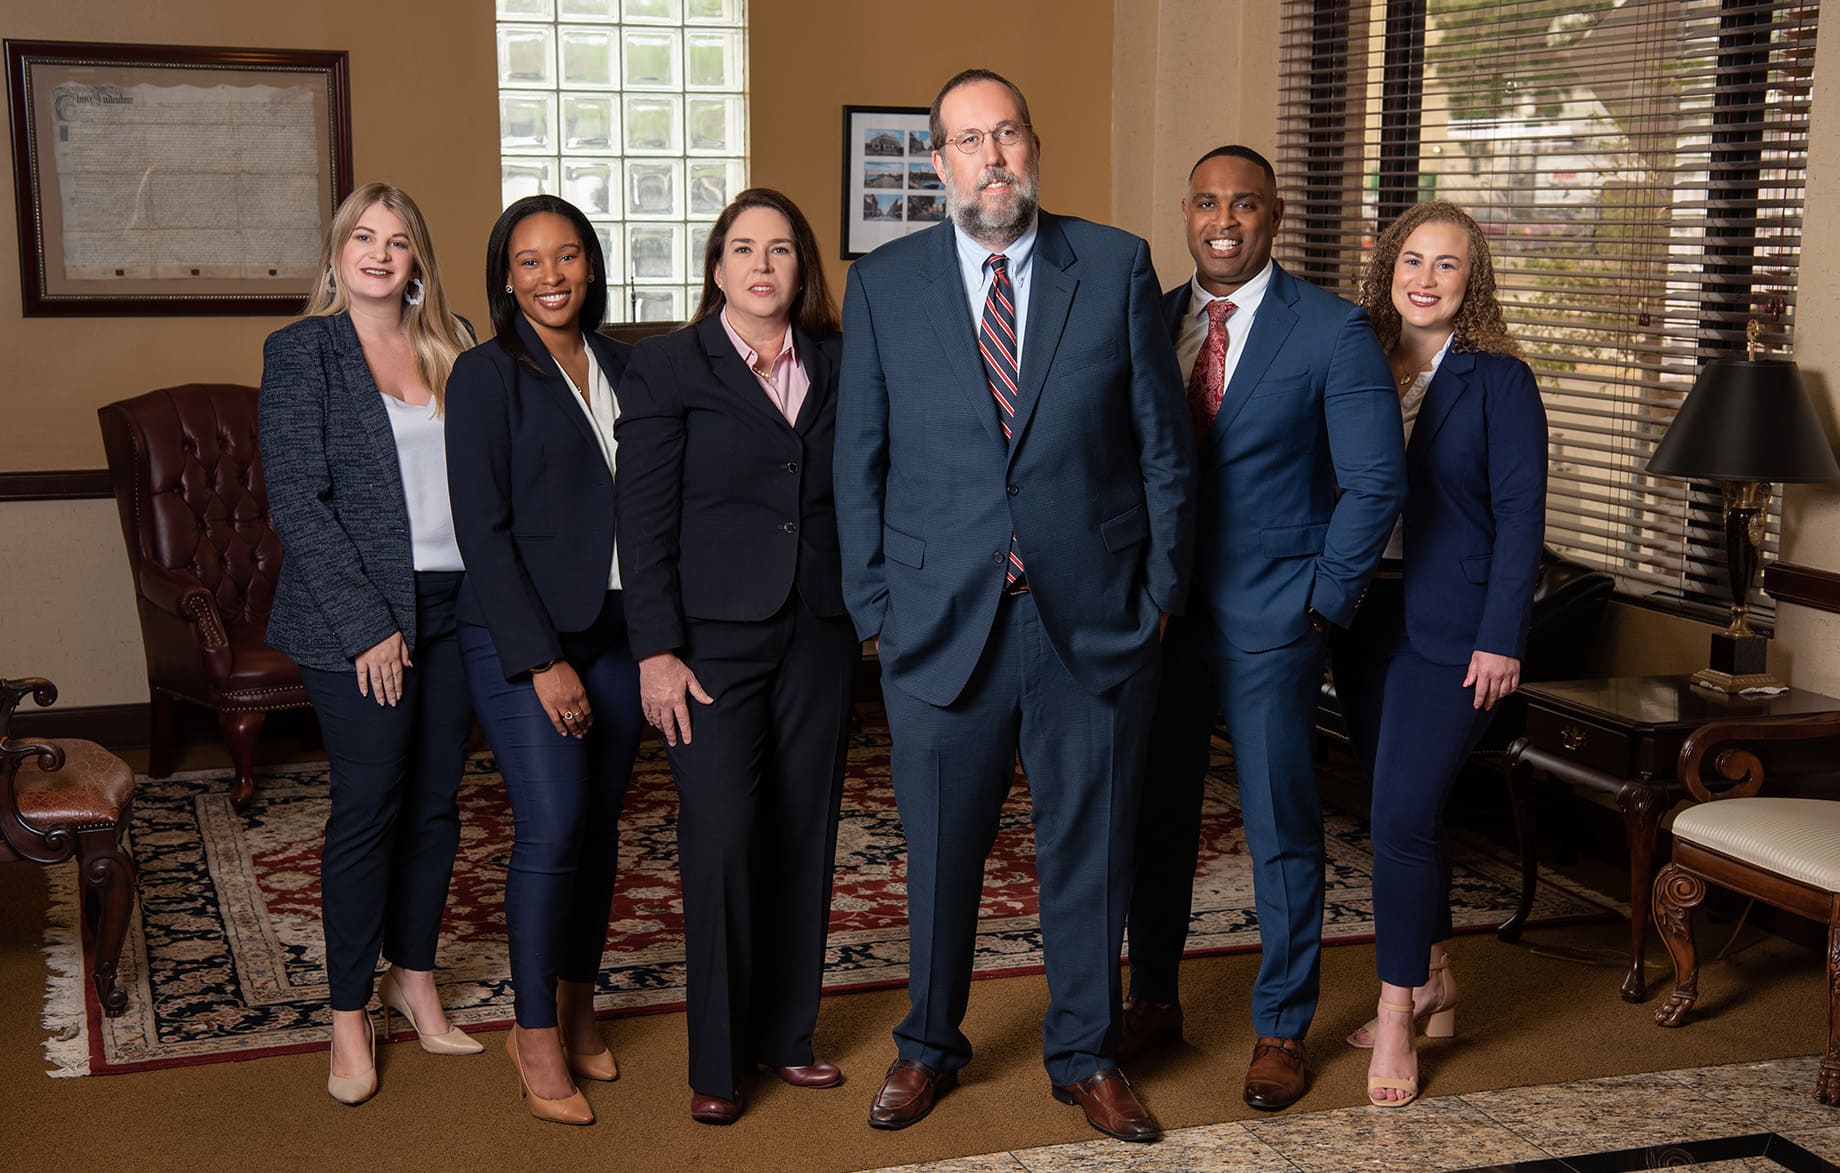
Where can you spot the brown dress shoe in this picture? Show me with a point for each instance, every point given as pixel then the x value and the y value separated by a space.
pixel 817 1073
pixel 1147 1026
pixel 714 1109
pixel 1276 1078
pixel 907 1093
pixel 1110 1105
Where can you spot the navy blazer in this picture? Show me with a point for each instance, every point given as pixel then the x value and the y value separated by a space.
pixel 1303 474
pixel 532 497
pixel 1475 514
pixel 724 506
pixel 1095 484
pixel 335 491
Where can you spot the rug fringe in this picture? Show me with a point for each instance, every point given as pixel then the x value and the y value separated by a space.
pixel 66 1015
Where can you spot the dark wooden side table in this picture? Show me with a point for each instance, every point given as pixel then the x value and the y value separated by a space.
pixel 1621 737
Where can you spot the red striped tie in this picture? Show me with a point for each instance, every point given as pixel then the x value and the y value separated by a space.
pixel 997 343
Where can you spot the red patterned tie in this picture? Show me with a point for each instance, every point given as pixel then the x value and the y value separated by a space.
pixel 997 345
pixel 1208 381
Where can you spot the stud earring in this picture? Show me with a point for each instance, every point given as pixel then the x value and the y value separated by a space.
pixel 507 287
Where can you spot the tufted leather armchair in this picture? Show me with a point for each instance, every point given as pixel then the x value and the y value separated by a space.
pixel 194 514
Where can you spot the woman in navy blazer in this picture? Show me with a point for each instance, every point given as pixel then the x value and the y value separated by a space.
pixel 728 539
pixel 351 437
pixel 1439 638
pixel 542 629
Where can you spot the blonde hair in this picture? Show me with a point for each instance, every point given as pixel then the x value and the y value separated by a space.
pixel 1479 324
pixel 436 336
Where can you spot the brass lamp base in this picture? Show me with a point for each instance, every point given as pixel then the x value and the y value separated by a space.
pixel 1713 680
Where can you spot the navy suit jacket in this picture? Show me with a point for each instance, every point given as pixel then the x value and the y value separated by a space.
pixel 1302 476
pixel 335 491
pixel 724 506
pixel 1475 515
pixel 532 497
pixel 1095 483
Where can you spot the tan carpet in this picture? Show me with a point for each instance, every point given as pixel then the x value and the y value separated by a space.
pixel 1525 1018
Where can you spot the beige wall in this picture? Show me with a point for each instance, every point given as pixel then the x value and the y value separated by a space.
pixel 807 59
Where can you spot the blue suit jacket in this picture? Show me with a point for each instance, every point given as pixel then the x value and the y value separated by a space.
pixel 335 491
pixel 1475 513
pixel 1095 483
pixel 532 498
pixel 1303 474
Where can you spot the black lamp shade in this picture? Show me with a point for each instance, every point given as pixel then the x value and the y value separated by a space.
pixel 1747 420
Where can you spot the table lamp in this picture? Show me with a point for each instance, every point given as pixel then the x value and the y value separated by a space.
pixel 1746 423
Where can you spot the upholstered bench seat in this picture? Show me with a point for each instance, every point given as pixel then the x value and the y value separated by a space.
pixel 92 790
pixel 1795 838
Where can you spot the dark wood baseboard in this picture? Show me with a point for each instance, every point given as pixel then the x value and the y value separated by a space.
pixel 1805 586
pixel 114 726
pixel 71 484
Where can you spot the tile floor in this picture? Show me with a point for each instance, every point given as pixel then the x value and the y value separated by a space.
pixel 1669 1118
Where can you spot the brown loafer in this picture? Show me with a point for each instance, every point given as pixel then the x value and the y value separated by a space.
pixel 714 1109
pixel 1110 1105
pixel 1148 1026
pixel 907 1093
pixel 1276 1078
pixel 814 1074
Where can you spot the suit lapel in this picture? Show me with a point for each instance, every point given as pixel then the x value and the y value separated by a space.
pixel 1051 289
pixel 1453 378
pixel 361 385
pixel 1270 327
pixel 817 366
pixel 943 299
pixel 552 387
pixel 1175 308
pixel 733 374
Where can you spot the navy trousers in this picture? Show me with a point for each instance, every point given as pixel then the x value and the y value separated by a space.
pixel 1412 724
pixel 1269 700
pixel 953 767
pixel 758 790
pixel 566 794
pixel 394 824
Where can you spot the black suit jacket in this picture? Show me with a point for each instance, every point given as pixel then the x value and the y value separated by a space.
pixel 532 497
pixel 725 508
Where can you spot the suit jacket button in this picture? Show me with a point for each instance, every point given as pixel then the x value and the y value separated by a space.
pixel 997 557
pixel 790 527
pixel 1014 489
pixel 792 466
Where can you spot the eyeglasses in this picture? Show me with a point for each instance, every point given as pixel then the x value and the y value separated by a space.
pixel 1007 135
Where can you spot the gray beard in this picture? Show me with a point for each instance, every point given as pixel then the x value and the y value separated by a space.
pixel 994 231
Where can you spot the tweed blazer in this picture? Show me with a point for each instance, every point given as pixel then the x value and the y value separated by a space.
pixel 336 495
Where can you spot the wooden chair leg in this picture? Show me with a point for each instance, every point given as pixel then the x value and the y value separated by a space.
pixel 160 735
pixel 108 897
pixel 1827 1083
pixel 241 729
pixel 1677 893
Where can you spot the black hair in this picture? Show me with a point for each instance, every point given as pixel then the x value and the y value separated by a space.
pixel 965 78
pixel 1236 151
pixel 504 306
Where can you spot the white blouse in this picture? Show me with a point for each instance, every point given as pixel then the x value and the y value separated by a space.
pixel 602 409
pixel 421 453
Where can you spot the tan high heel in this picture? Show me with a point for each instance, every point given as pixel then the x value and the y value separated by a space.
pixel 571 1109
pixel 352 1090
pixel 453 1041
pixel 602 1066
pixel 1436 1022
pixel 1376 1083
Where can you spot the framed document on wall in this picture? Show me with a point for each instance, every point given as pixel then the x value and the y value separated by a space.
pixel 174 179
pixel 889 186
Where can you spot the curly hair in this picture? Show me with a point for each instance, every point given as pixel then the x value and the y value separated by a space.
pixel 1479 324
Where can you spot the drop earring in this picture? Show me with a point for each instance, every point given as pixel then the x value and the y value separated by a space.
pixel 507 287
pixel 331 285
pixel 416 291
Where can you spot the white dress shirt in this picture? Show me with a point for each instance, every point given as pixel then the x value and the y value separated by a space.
pixel 1246 301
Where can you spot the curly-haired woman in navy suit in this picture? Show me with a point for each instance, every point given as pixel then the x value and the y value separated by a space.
pixel 352 444
pixel 1439 638
pixel 530 419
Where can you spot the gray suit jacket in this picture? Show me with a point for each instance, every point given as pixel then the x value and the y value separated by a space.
pixel 336 495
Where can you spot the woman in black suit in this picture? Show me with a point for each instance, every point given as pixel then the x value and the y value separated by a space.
pixel 728 541
pixel 350 425
pixel 530 469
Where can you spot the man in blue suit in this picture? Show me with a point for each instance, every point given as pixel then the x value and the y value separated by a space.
pixel 1300 476
pixel 1012 484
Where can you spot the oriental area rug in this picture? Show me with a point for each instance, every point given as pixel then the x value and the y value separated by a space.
pixel 224 958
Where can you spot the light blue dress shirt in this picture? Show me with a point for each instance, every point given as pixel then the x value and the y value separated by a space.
pixel 977 274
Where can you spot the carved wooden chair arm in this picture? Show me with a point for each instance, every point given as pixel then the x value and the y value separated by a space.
pixel 13 691
pixel 1718 747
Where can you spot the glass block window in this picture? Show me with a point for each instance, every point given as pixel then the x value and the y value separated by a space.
pixel 635 111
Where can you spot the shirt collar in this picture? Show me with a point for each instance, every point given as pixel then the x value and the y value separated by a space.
pixel 972 255
pixel 748 354
pixel 1245 299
